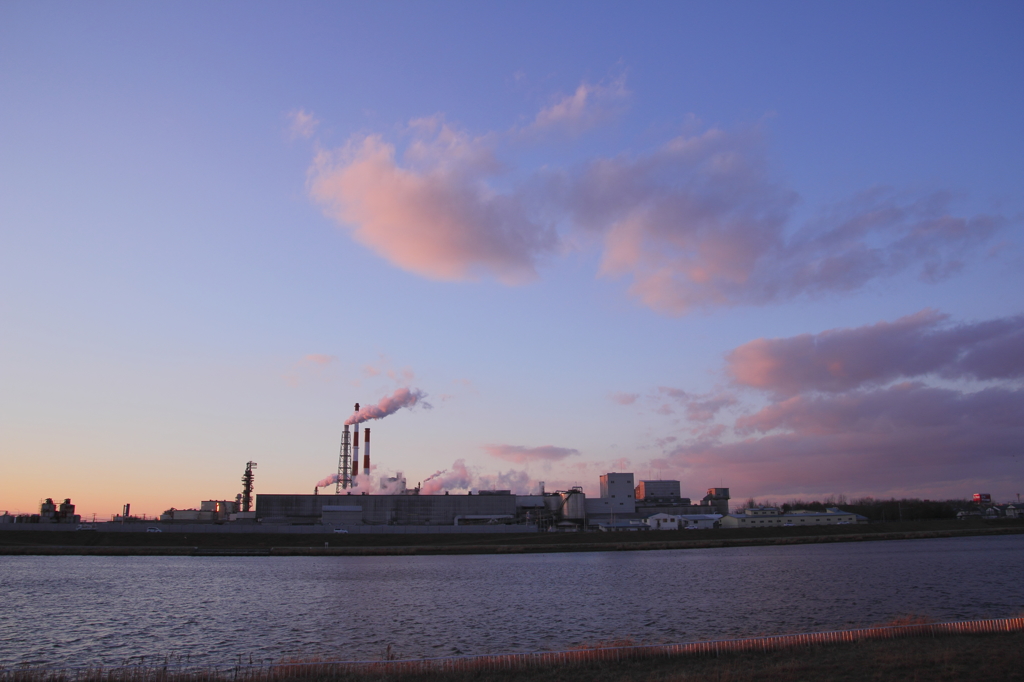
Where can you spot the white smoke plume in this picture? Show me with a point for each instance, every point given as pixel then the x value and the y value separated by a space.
pixel 460 477
pixel 434 475
pixel 403 397
pixel 330 480
pixel 388 485
pixel 371 482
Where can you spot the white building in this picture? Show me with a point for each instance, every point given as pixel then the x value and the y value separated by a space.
pixel 766 517
pixel 616 495
pixel 682 521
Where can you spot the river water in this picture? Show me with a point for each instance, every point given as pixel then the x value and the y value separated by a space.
pixel 213 610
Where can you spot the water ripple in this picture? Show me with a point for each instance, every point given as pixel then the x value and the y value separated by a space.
pixel 106 610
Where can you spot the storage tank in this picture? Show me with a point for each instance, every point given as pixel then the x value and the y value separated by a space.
pixel 574 506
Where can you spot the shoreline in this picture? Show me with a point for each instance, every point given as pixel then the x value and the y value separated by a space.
pixel 446 545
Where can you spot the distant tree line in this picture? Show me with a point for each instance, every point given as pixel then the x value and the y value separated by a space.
pixel 905 509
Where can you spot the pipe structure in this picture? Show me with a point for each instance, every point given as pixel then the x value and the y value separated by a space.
pixel 366 452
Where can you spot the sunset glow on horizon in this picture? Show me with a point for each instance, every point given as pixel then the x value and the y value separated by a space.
pixel 775 248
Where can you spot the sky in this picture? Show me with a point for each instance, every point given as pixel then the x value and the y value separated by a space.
pixel 775 247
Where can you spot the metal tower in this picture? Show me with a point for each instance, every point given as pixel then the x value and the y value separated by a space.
pixel 247 479
pixel 344 462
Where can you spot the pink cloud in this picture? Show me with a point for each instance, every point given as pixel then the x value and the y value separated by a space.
pixel 311 367
pixel 700 223
pixel 301 123
pixel 907 438
pixel 402 376
pixel 836 422
pixel 624 398
pixel 435 215
pixel 621 464
pixel 675 393
pixel 523 455
pixel 699 408
pixel 704 410
pixel 912 346
pixel 591 105
pixel 319 359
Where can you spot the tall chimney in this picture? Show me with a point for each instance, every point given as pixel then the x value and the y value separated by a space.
pixel 366 452
pixel 355 450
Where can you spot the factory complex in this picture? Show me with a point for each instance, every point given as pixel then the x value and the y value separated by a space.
pixel 621 505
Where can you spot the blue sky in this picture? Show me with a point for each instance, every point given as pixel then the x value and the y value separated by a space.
pixel 207 255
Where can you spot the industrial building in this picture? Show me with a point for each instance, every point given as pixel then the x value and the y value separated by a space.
pixel 659 491
pixel 766 517
pixel 561 510
pixel 384 510
pixel 49 512
pixel 209 511
pixel 683 521
pixel 622 503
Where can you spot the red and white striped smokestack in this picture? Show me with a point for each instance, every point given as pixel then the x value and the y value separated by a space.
pixel 366 455
pixel 355 450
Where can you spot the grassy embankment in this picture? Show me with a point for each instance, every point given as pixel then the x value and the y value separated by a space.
pixel 953 658
pixel 171 543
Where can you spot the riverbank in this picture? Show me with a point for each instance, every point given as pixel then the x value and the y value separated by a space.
pixel 27 542
pixel 918 651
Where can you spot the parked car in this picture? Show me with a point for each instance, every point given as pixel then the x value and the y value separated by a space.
pixel 340 530
pixel 151 529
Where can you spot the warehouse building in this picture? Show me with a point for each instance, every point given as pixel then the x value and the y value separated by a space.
pixel 766 517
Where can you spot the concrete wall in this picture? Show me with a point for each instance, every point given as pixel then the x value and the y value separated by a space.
pixel 380 510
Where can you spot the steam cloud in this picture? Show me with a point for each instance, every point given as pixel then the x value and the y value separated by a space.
pixel 330 480
pixel 460 477
pixel 374 483
pixel 403 397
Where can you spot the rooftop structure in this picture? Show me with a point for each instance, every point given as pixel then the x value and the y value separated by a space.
pixel 658 491
pixel 764 517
